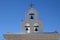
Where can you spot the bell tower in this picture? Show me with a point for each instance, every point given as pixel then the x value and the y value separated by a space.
pixel 31 24
pixel 32 29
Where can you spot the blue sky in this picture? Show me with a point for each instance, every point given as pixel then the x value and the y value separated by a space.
pixel 13 11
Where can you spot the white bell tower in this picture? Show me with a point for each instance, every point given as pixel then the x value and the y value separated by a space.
pixel 32 29
pixel 31 24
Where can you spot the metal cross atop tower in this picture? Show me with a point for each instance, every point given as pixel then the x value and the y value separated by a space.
pixel 31 4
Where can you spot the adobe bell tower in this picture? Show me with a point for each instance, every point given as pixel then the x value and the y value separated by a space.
pixel 31 24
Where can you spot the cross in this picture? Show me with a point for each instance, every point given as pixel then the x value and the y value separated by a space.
pixel 31 5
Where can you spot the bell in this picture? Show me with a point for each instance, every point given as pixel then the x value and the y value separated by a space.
pixel 36 29
pixel 26 28
pixel 31 17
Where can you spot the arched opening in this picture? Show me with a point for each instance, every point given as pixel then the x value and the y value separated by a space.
pixel 27 27
pixel 36 27
pixel 31 15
